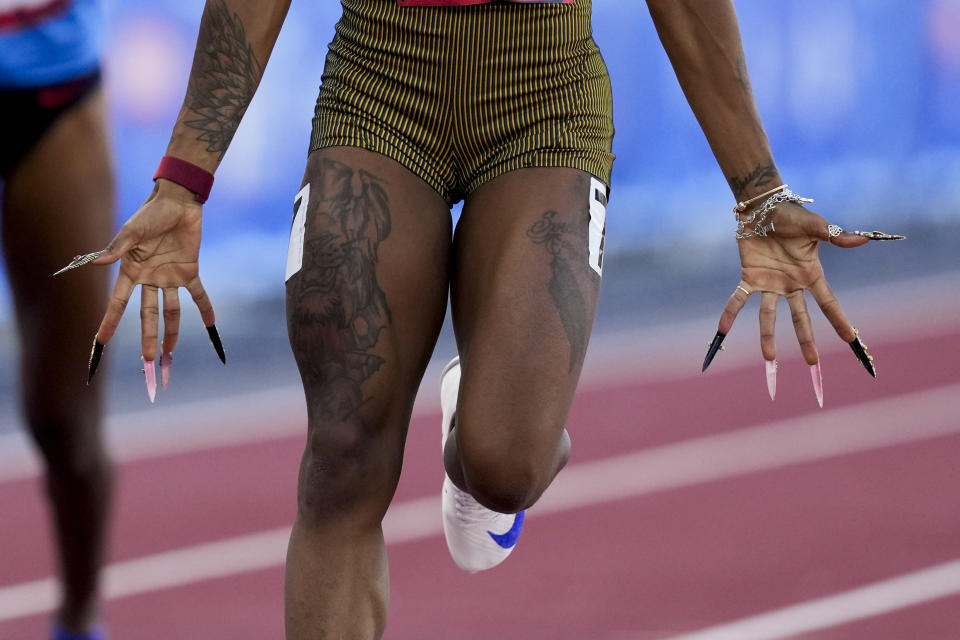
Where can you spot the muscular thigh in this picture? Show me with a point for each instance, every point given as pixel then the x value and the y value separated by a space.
pixel 58 202
pixel 524 298
pixel 366 302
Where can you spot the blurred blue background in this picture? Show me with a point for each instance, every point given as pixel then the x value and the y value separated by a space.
pixel 859 98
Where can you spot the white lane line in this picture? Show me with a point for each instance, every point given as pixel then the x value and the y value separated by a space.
pixel 899 420
pixel 848 606
pixel 182 428
pixel 199 425
pixel 406 521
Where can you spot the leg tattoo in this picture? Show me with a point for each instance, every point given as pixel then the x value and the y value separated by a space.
pixel 339 308
pixel 572 279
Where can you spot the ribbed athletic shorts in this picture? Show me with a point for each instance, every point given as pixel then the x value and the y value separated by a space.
pixel 461 95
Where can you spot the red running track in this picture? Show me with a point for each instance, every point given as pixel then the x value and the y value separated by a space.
pixel 648 565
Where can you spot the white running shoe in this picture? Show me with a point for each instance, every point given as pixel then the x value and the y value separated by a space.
pixel 478 538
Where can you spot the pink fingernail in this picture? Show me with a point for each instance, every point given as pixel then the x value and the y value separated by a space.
pixel 150 374
pixel 771 366
pixel 166 368
pixel 817 377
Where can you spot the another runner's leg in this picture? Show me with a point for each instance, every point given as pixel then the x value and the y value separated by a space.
pixel 58 200
pixel 365 303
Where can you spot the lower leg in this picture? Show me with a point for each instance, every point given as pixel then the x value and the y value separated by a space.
pixel 80 503
pixel 337 581
pixel 64 418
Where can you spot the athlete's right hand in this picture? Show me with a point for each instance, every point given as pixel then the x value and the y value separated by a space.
pixel 158 248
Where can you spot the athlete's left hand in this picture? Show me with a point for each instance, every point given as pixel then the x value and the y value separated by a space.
pixel 785 263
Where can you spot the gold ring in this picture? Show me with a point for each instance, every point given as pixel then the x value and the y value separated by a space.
pixel 742 289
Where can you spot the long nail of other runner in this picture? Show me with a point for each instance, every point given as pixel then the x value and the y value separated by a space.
pixel 817 377
pixel 215 341
pixel 860 350
pixel 95 352
pixel 150 375
pixel 712 350
pixel 166 368
pixel 771 367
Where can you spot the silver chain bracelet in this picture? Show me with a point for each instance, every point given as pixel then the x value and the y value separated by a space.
pixel 758 217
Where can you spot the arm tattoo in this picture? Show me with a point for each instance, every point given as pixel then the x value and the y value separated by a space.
pixel 224 77
pixel 761 176
pixel 573 284
pixel 336 308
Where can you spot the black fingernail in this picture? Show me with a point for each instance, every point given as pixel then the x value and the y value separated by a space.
pixel 215 341
pixel 712 351
pixel 95 352
pixel 860 350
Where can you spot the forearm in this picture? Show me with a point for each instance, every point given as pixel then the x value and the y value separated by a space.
pixel 234 43
pixel 702 40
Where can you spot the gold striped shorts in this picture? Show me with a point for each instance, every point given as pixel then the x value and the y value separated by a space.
pixel 461 95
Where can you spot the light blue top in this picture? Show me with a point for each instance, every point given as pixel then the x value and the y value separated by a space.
pixel 55 49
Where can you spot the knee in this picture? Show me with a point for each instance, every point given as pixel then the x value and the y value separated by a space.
pixel 347 472
pixel 72 446
pixel 505 489
pixel 506 480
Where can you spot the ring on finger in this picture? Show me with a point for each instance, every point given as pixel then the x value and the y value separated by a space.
pixel 833 230
pixel 741 288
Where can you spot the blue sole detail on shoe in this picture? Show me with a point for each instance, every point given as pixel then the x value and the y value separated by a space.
pixel 508 539
pixel 60 633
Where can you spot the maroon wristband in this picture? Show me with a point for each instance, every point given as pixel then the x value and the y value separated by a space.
pixel 187 175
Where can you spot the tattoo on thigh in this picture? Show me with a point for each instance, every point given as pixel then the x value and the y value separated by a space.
pixel 336 306
pixel 572 281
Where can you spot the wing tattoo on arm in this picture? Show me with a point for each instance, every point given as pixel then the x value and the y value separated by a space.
pixel 223 79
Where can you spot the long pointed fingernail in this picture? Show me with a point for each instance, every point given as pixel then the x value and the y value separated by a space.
pixel 715 346
pixel 771 367
pixel 879 235
pixel 215 341
pixel 150 375
pixel 817 377
pixel 95 352
pixel 166 368
pixel 79 261
pixel 860 350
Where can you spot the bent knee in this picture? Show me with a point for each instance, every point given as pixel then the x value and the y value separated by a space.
pixel 512 477
pixel 504 493
pixel 506 484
